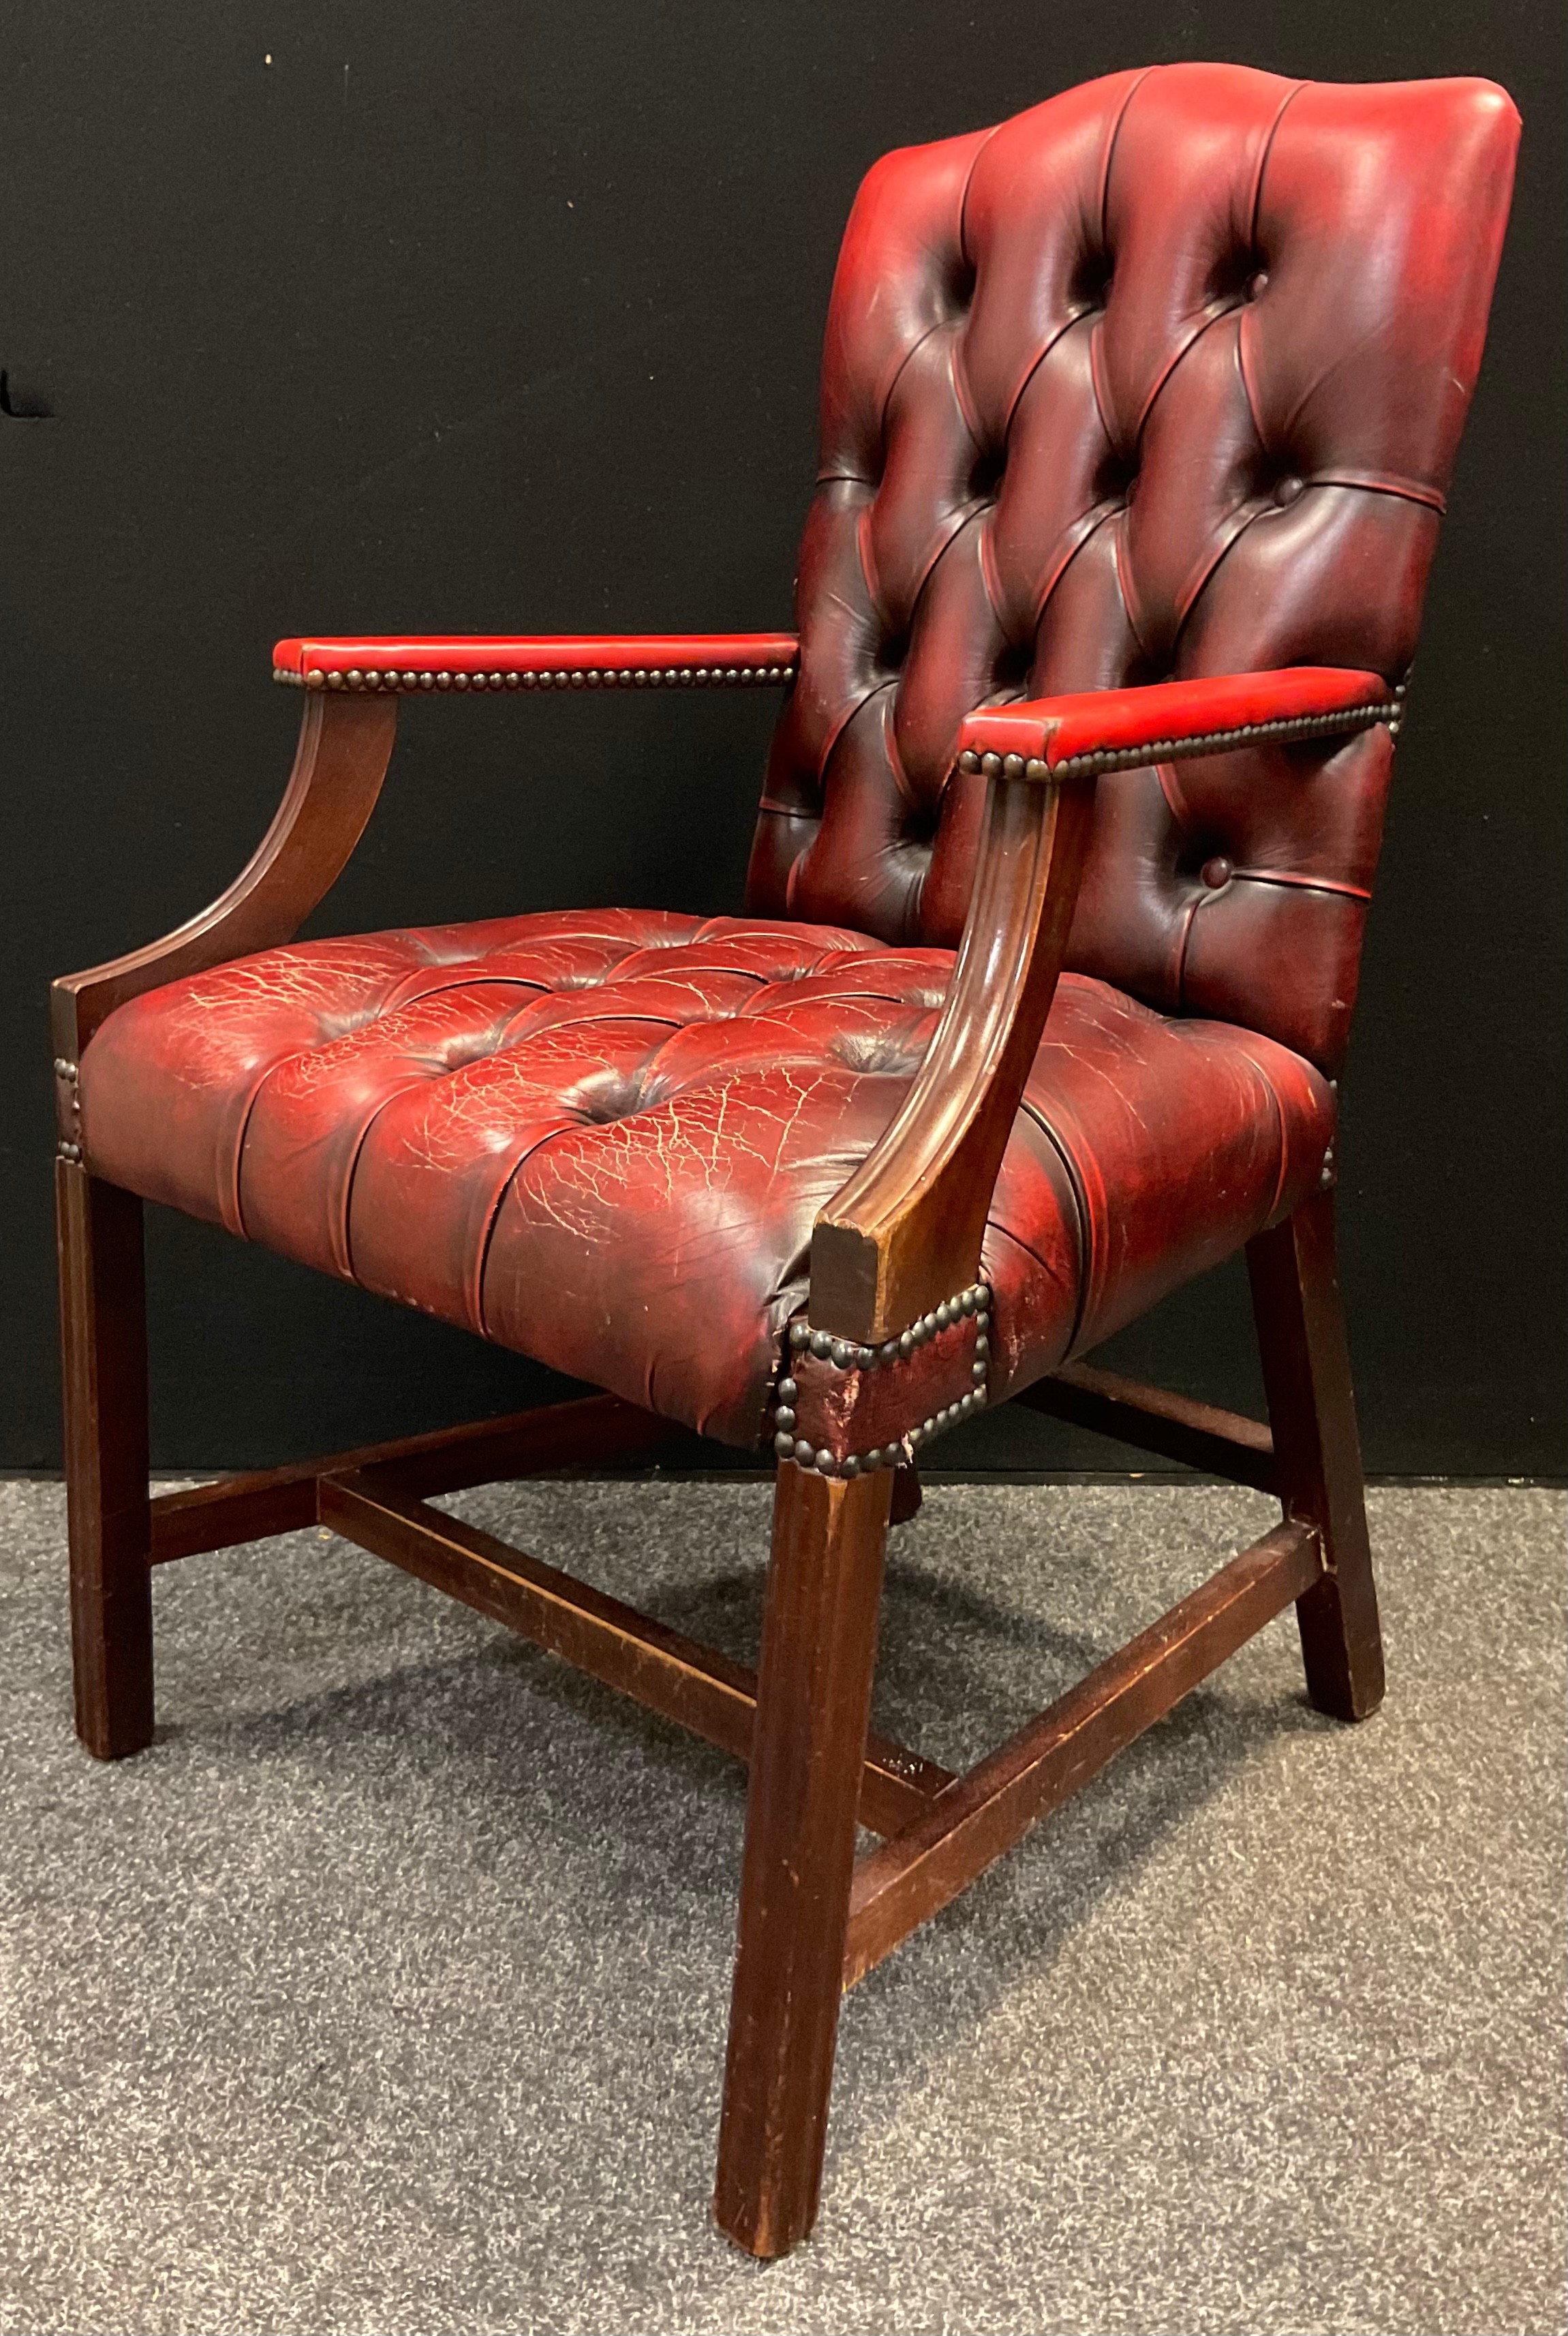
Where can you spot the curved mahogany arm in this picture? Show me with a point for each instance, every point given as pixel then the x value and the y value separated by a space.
pixel 345 746
pixel 903 1233
pixel 538 661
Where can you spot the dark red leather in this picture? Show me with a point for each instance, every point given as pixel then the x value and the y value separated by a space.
pixel 595 657
pixel 1162 378
pixel 852 1411
pixel 603 1137
pixel 1159 381
pixel 1055 730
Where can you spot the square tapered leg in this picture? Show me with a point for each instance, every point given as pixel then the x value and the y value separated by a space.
pixel 103 1344
pixel 1306 1363
pixel 813 1703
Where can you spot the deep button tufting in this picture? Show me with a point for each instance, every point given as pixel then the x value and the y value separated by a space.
pixel 1375 212
pixel 1230 280
pixel 1113 476
pixel 603 1138
pixel 604 1098
pixel 459 1052
pixel 987 473
pixel 1011 666
pixel 876 1055
pixel 627 1193
pixel 1092 283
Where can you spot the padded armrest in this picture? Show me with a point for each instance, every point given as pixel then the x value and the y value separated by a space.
pixel 1119 729
pixel 538 661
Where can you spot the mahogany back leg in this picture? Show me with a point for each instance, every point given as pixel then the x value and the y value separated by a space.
pixel 813 1703
pixel 103 1344
pixel 1306 1363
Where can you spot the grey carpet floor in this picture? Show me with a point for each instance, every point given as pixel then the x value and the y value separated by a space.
pixel 387 1992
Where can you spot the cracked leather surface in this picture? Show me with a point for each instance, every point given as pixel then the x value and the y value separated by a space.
pixel 602 1137
pixel 1162 378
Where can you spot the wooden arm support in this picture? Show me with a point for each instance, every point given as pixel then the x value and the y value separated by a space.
pixel 345 746
pixel 903 1233
pixel 345 741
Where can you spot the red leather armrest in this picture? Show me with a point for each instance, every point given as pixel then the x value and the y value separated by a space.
pixel 538 661
pixel 1116 729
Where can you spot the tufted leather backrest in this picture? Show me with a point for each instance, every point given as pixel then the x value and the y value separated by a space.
pixel 1162 377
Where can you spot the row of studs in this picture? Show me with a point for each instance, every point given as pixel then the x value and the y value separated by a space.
pixel 685 676
pixel 65 1071
pixel 1168 750
pixel 846 1355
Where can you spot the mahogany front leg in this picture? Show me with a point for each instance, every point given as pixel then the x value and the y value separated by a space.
pixel 813 1702
pixel 103 1342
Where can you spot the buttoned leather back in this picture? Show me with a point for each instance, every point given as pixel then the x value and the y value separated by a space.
pixel 1162 378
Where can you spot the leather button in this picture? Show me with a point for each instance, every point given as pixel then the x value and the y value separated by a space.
pixel 1215 873
pixel 1287 490
pixel 1258 285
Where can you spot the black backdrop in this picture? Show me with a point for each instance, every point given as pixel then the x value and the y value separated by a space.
pixel 506 317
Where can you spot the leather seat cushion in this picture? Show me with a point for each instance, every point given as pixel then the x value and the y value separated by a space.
pixel 601 1137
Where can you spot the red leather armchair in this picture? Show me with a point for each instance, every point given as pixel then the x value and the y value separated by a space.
pixel 1138 418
